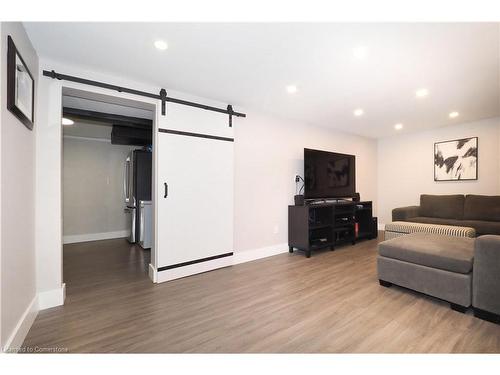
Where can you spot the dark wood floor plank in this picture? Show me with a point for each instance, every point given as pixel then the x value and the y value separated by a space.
pixel 330 303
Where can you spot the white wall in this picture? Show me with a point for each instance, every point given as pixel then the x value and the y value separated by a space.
pixel 93 202
pixel 268 154
pixel 18 284
pixel 406 165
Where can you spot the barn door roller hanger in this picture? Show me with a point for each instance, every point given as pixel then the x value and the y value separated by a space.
pixel 161 96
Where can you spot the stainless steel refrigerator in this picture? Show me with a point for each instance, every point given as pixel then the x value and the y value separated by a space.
pixel 145 239
pixel 136 187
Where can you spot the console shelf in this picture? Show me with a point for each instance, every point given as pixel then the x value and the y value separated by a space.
pixel 325 225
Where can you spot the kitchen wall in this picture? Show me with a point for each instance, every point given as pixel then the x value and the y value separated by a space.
pixel 406 165
pixel 93 202
pixel 268 154
pixel 18 283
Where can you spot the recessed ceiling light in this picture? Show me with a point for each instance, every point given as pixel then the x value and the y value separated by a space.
pixel 161 45
pixel 398 126
pixel 291 89
pixel 360 52
pixel 67 121
pixel 358 112
pixel 454 114
pixel 421 93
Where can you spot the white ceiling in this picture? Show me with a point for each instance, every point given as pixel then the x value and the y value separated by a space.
pixel 250 65
pixel 88 129
pixel 77 102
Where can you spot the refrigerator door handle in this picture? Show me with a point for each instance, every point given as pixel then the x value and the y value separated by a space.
pixel 125 180
pixel 141 224
pixel 132 226
pixel 166 190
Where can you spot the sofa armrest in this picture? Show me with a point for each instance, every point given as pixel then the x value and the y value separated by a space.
pixel 486 274
pixel 405 213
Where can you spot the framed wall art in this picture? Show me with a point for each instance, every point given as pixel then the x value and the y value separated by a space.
pixel 456 160
pixel 20 86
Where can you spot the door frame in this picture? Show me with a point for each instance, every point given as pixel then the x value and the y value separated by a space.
pixel 51 132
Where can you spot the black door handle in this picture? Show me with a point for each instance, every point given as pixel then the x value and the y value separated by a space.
pixel 166 190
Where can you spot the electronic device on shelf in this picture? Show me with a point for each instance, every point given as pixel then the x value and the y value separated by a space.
pixel 327 201
pixel 299 200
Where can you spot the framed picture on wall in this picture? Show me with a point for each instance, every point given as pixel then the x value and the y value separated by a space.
pixel 456 160
pixel 20 86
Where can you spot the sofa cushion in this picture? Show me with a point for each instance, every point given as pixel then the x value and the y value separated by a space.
pixel 442 206
pixel 482 207
pixel 454 254
pixel 483 227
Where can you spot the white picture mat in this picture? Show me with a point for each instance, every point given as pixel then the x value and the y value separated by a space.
pixel 24 89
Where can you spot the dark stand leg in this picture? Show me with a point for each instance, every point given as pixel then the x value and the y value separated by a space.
pixel 290 249
pixel 332 248
pixel 486 315
pixel 308 253
pixel 387 284
pixel 458 308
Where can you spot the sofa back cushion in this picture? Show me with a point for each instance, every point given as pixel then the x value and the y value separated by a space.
pixel 482 207
pixel 442 206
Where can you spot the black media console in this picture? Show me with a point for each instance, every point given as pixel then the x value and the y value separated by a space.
pixel 326 225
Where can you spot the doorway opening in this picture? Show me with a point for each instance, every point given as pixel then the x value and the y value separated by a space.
pixel 107 188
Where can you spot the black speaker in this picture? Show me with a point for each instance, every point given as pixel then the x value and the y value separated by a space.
pixel 374 228
pixel 299 200
pixel 356 197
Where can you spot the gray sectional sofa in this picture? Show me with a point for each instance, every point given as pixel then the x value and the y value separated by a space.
pixel 463 271
pixel 480 212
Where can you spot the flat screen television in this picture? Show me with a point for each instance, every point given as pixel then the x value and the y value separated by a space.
pixel 328 175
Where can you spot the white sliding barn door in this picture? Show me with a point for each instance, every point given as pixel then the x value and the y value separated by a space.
pixel 194 192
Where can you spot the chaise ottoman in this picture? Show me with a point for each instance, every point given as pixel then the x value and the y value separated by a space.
pixel 401 228
pixel 434 264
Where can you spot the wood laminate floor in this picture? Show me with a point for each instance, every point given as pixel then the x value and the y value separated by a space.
pixel 331 302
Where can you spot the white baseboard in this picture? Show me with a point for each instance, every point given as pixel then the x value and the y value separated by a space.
pixel 237 258
pixel 95 236
pixel 52 298
pixel 153 275
pixel 263 252
pixel 16 339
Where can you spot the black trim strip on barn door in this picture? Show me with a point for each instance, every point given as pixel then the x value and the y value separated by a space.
pixel 199 135
pixel 161 96
pixel 194 262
